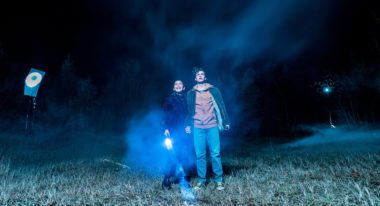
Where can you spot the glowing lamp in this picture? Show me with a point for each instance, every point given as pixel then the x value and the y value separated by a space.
pixel 327 89
pixel 168 143
pixel 32 82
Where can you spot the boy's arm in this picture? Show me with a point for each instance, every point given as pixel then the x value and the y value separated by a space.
pixel 222 108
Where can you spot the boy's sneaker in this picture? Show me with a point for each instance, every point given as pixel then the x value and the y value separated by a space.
pixel 199 186
pixel 219 186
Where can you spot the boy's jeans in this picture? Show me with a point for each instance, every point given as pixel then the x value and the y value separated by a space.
pixel 211 137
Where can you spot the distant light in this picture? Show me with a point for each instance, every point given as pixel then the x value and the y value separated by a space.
pixel 168 143
pixel 327 89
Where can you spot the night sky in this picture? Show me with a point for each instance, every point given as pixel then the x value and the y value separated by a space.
pixel 121 58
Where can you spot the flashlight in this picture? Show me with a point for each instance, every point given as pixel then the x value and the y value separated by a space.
pixel 168 143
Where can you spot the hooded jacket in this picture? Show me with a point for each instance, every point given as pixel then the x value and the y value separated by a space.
pixel 220 109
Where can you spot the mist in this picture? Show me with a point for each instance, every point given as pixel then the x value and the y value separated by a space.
pixel 339 138
pixel 262 55
pixel 225 35
pixel 299 79
pixel 225 38
pixel 145 148
pixel 144 141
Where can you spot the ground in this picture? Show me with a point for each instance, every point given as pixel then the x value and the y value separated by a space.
pixel 270 175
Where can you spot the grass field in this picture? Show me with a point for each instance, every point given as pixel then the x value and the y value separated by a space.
pixel 36 174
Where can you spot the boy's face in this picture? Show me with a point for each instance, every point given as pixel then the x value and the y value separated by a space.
pixel 200 77
pixel 178 86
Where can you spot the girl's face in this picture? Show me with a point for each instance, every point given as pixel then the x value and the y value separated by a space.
pixel 178 86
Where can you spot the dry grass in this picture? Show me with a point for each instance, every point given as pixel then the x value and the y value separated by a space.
pixel 253 177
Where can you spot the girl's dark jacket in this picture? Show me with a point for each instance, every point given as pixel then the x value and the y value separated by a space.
pixel 220 109
pixel 175 109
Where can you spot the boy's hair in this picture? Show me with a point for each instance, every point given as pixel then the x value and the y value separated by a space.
pixel 198 69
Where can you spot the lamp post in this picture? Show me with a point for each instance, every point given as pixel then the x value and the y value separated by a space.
pixel 326 88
